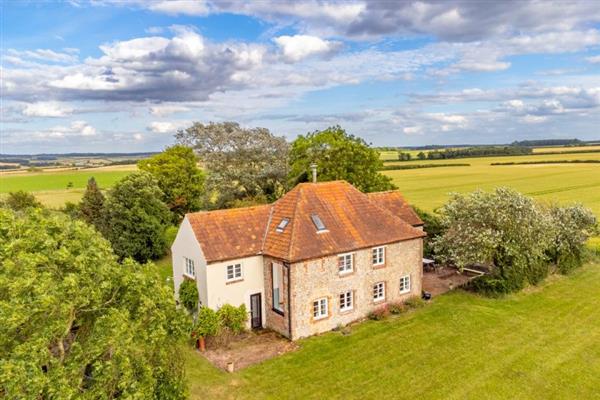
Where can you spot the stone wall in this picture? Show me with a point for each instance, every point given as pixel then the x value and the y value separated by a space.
pixel 274 320
pixel 314 279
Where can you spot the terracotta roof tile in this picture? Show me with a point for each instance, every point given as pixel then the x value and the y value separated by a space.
pixel 394 202
pixel 352 219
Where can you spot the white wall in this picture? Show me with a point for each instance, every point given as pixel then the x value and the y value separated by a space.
pixel 236 293
pixel 186 245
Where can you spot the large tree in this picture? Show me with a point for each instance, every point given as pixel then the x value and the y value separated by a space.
pixel 74 323
pixel 502 229
pixel 242 163
pixel 90 207
pixel 136 218
pixel 338 155
pixel 178 176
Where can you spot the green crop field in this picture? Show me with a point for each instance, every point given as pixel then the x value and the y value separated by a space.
pixel 538 344
pixel 430 188
pixel 50 186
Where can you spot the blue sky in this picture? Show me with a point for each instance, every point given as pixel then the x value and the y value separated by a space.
pixel 108 75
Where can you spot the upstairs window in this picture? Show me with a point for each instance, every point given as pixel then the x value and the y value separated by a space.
pixel 190 270
pixel 234 272
pixel 379 291
pixel 345 263
pixel 378 255
pixel 318 223
pixel 405 284
pixel 346 301
pixel 282 224
pixel 320 308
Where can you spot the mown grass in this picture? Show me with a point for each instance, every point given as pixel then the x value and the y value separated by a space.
pixel 51 187
pixel 541 343
pixel 565 183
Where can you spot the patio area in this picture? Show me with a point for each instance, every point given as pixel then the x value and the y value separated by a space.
pixel 444 279
pixel 247 349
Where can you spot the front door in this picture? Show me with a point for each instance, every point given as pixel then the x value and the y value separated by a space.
pixel 256 311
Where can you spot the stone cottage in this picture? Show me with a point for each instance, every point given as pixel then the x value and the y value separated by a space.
pixel 324 254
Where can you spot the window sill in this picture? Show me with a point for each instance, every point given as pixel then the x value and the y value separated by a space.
pixel 324 317
pixel 190 277
pixel 378 266
pixel 234 281
pixel 345 273
pixel 405 291
pixel 277 311
pixel 347 311
pixel 378 301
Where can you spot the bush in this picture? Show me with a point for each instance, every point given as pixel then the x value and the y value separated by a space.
pixel 415 302
pixel 21 200
pixel 489 285
pixel 396 308
pixel 207 323
pixel 379 313
pixel 233 318
pixel 188 295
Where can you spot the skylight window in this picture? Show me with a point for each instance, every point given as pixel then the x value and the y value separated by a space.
pixel 284 222
pixel 318 223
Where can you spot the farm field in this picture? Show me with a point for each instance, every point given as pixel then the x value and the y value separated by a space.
pixel 50 186
pixel 540 343
pixel 561 149
pixel 430 188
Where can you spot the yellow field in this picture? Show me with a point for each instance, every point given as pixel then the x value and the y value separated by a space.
pixel 563 149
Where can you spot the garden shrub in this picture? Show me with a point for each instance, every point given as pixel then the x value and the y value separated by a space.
pixel 233 318
pixel 188 295
pixel 207 323
pixel 415 302
pixel 396 308
pixel 379 313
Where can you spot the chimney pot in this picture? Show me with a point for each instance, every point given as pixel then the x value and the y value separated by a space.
pixel 313 168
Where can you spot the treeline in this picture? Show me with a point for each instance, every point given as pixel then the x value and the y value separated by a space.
pixel 474 152
pixel 548 142
pixel 418 166
pixel 548 162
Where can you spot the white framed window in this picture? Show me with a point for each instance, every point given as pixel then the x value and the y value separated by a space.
pixel 276 285
pixel 190 270
pixel 378 255
pixel 379 291
pixel 346 301
pixel 234 272
pixel 345 263
pixel 405 284
pixel 320 308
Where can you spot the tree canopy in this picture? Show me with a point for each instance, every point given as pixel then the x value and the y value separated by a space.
pixel 90 207
pixel 20 200
pixel 135 218
pixel 242 163
pixel 338 155
pixel 178 176
pixel 75 323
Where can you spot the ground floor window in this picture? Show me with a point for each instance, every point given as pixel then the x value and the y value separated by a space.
pixel 379 291
pixel 346 301
pixel 320 308
pixel 405 284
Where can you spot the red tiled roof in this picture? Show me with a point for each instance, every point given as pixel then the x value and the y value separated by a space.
pixel 352 219
pixel 394 202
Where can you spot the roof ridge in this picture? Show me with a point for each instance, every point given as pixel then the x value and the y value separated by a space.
pixel 225 210
pixel 387 211
pixel 293 224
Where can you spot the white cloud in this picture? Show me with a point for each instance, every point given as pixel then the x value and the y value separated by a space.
pixel 299 47
pixel 179 7
pixel 167 109
pixel 167 126
pixel 534 119
pixel 413 130
pixel 47 109
pixel 593 59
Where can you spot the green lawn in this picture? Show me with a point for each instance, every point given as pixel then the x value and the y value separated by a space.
pixel 429 188
pixel 542 343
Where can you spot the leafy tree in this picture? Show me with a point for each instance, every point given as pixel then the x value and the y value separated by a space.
pixel 503 229
pixel 135 218
pixel 421 156
pixel 338 156
pixel 241 163
pixel 90 207
pixel 432 224
pixel 178 176
pixel 188 295
pixel 572 225
pixel 21 200
pixel 74 323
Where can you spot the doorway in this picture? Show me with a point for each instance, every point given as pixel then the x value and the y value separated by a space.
pixel 256 311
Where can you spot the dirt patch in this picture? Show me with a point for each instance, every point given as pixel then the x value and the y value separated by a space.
pixel 248 349
pixel 443 280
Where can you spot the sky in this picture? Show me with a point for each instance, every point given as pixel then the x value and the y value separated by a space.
pixel 125 75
